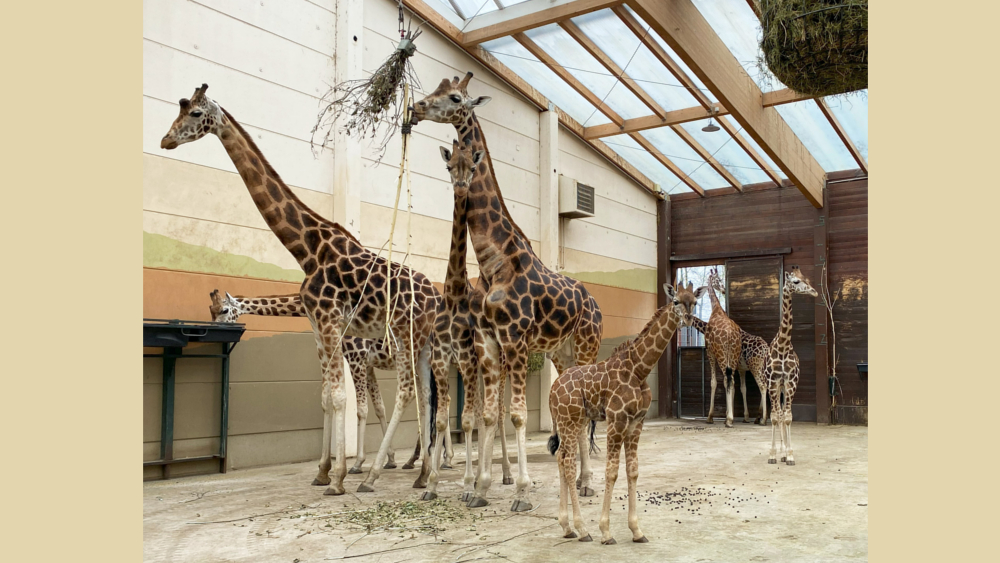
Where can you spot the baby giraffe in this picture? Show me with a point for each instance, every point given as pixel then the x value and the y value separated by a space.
pixel 614 390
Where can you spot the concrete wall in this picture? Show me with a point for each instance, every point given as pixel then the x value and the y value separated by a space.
pixel 268 65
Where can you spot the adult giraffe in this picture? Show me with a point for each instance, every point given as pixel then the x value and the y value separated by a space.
pixel 724 349
pixel 526 306
pixel 344 291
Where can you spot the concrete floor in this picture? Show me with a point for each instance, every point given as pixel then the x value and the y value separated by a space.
pixel 745 509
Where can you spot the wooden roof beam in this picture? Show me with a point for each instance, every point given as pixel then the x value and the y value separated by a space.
pixel 842 134
pixel 575 84
pixel 644 143
pixel 454 34
pixel 685 30
pixel 602 57
pixel 528 15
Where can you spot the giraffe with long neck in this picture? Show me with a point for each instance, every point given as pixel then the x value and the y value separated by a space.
pixel 782 368
pixel 526 306
pixel 344 291
pixel 614 390
pixel 363 358
pixel 456 326
pixel 724 348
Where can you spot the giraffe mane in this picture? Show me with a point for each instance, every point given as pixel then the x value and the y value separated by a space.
pixel 274 174
pixel 621 349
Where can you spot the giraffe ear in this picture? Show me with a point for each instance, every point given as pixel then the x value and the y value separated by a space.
pixel 477 157
pixel 479 102
pixel 445 154
pixel 229 297
pixel 700 291
pixel 669 290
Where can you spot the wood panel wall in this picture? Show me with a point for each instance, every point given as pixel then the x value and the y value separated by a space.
pixel 725 222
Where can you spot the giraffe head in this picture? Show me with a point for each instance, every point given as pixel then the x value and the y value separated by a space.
pixel 715 281
pixel 798 282
pixel 199 116
pixel 224 309
pixel 449 103
pixel 685 299
pixel 461 165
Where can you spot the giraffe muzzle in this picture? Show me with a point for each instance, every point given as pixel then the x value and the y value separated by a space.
pixel 414 119
pixel 168 143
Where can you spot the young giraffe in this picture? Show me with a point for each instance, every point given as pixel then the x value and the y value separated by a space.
pixel 724 347
pixel 456 326
pixel 615 390
pixel 362 355
pixel 344 291
pixel 526 306
pixel 782 367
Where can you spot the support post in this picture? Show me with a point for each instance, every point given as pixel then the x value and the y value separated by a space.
pixel 548 211
pixel 347 167
pixel 664 274
pixel 167 408
pixel 821 320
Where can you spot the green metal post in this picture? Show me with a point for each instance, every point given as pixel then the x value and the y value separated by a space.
pixel 224 425
pixel 167 408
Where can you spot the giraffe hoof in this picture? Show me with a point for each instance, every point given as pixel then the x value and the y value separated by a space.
pixel 508 480
pixel 784 459
pixel 354 470
pixel 390 465
pixel 609 541
pixel 407 465
pixel 790 462
pixel 446 466
pixel 420 483
pixel 520 506
pixel 334 492
pixel 772 461
pixel 729 424
pixel 365 488
pixel 746 421
pixel 429 495
pixel 641 540
pixel 321 482
pixel 570 535
pixel 709 421
pixel 586 538
pixel 466 497
pixel 477 502
pixel 587 492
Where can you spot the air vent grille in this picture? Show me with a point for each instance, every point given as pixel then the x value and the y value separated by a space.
pixel 585 198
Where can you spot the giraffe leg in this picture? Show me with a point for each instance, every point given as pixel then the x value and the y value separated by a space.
pixel 516 362
pixel 337 402
pixel 632 472
pixel 508 479
pixel 711 401
pixel 567 459
pixel 488 352
pixel 743 391
pixel 358 374
pixel 470 413
pixel 424 377
pixel 583 483
pixel 404 394
pixel 449 452
pixel 439 366
pixel 412 462
pixel 616 430
pixel 326 400
pixel 376 397
pixel 789 392
pixel 775 419
pixel 729 382
pixel 763 400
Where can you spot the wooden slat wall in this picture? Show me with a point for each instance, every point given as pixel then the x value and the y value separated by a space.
pixel 848 242
pixel 764 216
pixel 693 401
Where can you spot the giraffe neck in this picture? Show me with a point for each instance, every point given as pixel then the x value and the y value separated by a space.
pixel 716 304
pixel 649 344
pixel 699 325
pixel 277 306
pixel 295 225
pixel 784 337
pixel 457 278
pixel 493 230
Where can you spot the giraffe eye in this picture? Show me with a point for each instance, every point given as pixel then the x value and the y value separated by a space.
pixel 456 99
pixel 195 113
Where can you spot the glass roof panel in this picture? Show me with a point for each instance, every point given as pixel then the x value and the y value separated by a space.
pixel 577 61
pixel 511 2
pixel 471 8
pixel 624 48
pixel 673 55
pixel 818 136
pixel 639 157
pixel 524 64
pixel 728 152
pixel 752 143
pixel 852 113
pixel 670 145
pixel 738 27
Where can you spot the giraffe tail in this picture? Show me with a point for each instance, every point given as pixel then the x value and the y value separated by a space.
pixel 433 415
pixel 553 443
pixel 593 442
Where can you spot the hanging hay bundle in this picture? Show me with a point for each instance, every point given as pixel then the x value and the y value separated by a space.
pixel 373 102
pixel 816 47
